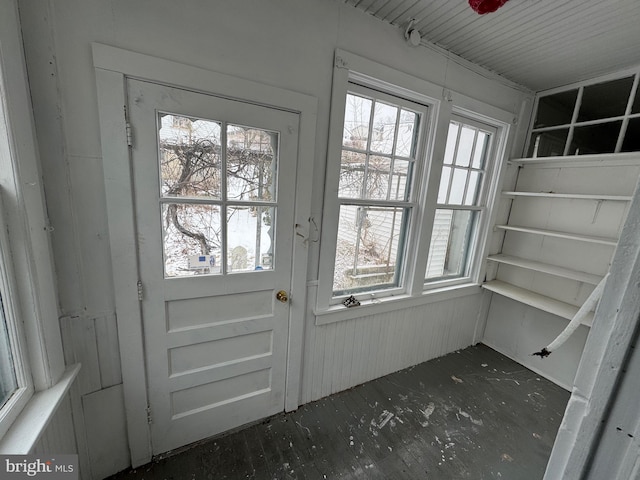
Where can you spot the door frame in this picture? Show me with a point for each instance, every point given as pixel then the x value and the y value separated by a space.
pixel 112 68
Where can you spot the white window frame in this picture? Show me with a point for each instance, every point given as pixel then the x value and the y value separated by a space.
pixel 411 204
pixel 17 345
pixel 488 186
pixel 573 123
pixel 441 103
pixel 28 276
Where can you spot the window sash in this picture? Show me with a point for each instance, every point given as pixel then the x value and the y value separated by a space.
pixel 23 384
pixel 446 246
pixel 395 246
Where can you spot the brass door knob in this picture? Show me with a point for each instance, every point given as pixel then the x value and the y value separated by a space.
pixel 282 296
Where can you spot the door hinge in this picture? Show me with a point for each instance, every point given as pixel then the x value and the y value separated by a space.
pixel 127 127
pixel 149 417
pixel 140 290
pixel 129 135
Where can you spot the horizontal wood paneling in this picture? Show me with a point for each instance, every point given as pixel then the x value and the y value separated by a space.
pixel 343 354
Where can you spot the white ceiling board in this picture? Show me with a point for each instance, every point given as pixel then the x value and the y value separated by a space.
pixel 539 44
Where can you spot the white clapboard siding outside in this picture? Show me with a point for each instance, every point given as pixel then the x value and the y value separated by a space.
pixel 439 243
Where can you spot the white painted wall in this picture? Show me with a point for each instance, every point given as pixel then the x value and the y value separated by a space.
pixel 284 43
pixel 518 330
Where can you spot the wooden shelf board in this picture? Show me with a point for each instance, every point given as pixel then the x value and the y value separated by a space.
pixel 611 159
pixel 546 268
pixel 541 302
pixel 553 233
pixel 577 196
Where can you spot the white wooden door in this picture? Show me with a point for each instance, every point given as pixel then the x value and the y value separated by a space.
pixel 214 184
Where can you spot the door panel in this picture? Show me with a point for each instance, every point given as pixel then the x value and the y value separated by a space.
pixel 214 187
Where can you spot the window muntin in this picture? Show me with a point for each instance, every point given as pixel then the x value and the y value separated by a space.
pixel 589 119
pixel 461 200
pixel 209 171
pixel 377 164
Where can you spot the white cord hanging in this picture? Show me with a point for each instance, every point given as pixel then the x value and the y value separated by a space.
pixel 582 312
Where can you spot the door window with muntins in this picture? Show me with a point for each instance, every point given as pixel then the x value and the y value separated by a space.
pixel 217 196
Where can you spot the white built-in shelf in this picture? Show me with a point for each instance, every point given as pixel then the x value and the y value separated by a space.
pixel 617 159
pixel 553 233
pixel 577 196
pixel 546 268
pixel 541 302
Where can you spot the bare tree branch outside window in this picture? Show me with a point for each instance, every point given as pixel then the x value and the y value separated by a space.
pixel 203 177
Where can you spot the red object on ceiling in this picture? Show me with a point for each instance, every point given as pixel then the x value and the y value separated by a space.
pixel 486 6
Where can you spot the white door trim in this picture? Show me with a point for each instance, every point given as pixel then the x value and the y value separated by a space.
pixel 112 67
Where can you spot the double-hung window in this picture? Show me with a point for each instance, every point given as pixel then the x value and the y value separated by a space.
pixel 380 148
pixel 461 200
pixel 412 174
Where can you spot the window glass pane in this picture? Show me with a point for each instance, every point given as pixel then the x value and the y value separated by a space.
pixel 378 171
pixel 191 239
pixel 351 174
pixel 189 151
pixel 444 184
pixel 457 186
pixel 450 243
pixel 636 102
pixel 452 139
pixel 252 157
pixel 367 251
pixel 400 180
pixel 632 137
pixel 473 188
pixel 250 238
pixel 595 138
pixel 384 127
pixel 357 115
pixel 480 151
pixel 8 382
pixel 465 146
pixel 548 144
pixel 405 142
pixel 556 109
pixel 604 100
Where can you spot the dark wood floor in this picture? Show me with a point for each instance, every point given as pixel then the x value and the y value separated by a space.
pixel 471 414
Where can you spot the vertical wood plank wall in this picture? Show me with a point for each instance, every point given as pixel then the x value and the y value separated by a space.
pixel 59 436
pixel 344 354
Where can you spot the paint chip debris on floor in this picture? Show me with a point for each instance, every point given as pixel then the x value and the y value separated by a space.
pixel 472 414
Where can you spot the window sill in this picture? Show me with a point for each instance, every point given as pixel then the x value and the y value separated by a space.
pixel 338 313
pixel 33 420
